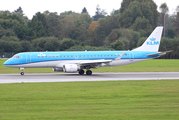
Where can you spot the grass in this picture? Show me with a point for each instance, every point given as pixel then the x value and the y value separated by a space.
pixel 155 65
pixel 140 100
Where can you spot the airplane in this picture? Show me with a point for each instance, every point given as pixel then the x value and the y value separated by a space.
pixel 77 61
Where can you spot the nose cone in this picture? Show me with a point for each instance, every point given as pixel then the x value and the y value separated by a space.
pixel 7 63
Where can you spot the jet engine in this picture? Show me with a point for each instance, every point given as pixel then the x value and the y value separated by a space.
pixel 70 68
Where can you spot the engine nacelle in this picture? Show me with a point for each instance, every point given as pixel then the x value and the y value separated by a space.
pixel 70 68
pixel 57 69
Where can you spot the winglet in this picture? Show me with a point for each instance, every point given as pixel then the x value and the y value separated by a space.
pixel 153 41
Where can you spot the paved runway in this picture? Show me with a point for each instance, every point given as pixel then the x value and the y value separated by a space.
pixel 68 77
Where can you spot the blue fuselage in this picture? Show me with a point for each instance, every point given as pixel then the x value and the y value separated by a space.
pixel 38 57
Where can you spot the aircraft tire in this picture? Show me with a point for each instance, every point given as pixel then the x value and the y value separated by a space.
pixel 22 73
pixel 81 72
pixel 88 72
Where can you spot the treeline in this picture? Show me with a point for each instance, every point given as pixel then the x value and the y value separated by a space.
pixel 123 29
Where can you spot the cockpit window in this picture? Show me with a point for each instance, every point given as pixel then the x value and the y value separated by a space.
pixel 15 56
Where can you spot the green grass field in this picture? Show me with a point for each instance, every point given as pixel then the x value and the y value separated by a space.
pixel 139 100
pixel 156 65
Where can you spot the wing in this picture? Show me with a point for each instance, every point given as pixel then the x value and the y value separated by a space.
pixel 94 62
pixel 97 63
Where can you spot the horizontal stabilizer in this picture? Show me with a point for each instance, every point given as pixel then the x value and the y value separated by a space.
pixel 160 53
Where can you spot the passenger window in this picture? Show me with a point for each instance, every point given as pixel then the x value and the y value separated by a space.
pixel 108 55
pixel 101 55
pixel 111 55
pixel 105 56
pixel 98 55
pixel 91 56
pixel 49 56
pixel 38 56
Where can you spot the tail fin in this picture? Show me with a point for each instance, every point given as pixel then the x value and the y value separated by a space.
pixel 153 41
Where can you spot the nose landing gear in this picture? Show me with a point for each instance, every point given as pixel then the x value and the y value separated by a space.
pixel 22 69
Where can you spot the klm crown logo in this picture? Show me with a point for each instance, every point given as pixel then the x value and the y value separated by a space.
pixel 152 41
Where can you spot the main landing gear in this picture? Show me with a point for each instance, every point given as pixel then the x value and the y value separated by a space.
pixel 81 72
pixel 88 72
pixel 22 69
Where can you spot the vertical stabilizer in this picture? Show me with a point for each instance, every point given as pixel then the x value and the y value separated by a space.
pixel 153 41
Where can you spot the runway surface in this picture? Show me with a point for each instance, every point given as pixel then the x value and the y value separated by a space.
pixel 69 77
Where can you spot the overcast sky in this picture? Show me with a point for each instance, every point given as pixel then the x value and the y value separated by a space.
pixel 30 7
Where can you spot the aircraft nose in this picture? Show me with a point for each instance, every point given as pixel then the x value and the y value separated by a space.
pixel 7 62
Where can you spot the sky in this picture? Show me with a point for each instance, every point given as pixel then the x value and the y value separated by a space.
pixel 31 7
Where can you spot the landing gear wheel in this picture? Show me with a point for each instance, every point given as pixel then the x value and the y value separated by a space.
pixel 88 72
pixel 22 73
pixel 22 69
pixel 81 72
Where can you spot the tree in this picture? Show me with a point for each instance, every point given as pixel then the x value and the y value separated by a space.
pixel 113 36
pixel 6 32
pixel 66 43
pixel 129 16
pixel 99 13
pixel 143 26
pixel 164 10
pixel 147 7
pixel 81 27
pixel 23 32
pixel 19 10
pixel 91 36
pixel 84 10
pixel 45 44
pixel 39 25
pixel 117 45
pixel 129 37
pixel 99 33
pixel 176 22
pixel 55 24
pixel 10 46
pixel 115 12
pixel 68 26
pixel 26 46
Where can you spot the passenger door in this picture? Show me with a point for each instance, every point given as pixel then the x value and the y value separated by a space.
pixel 28 57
